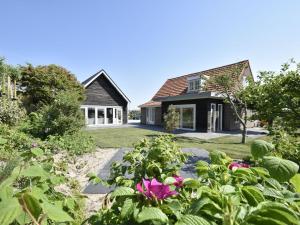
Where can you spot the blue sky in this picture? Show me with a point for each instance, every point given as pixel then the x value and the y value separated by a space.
pixel 142 43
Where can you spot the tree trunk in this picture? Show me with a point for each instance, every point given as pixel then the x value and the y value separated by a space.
pixel 15 89
pixel 244 133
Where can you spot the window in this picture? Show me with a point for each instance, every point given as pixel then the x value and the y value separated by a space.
pixel 194 84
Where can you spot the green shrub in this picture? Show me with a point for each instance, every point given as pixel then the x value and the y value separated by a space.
pixel 223 193
pixel 28 192
pixel 158 157
pixel 11 111
pixel 171 119
pixel 286 145
pixel 62 116
pixel 260 148
pixel 75 144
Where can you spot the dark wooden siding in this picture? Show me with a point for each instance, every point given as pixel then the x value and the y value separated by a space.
pixel 157 116
pixel 203 108
pixel 101 92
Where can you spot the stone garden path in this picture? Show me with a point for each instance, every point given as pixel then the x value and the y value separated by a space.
pixel 186 171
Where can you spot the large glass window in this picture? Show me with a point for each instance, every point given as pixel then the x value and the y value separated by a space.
pixel 100 118
pixel 109 115
pixel 91 116
pixel 188 118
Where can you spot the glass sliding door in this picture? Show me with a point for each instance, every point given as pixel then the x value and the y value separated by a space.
pixel 100 116
pixel 187 116
pixel 91 116
pixel 150 115
pixel 109 115
pixel 119 116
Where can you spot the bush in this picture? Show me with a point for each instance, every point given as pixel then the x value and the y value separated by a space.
pixel 42 83
pixel 224 192
pixel 75 144
pixel 62 116
pixel 171 119
pixel 286 146
pixel 158 157
pixel 11 112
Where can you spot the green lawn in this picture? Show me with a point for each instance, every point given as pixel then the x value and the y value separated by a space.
pixel 126 137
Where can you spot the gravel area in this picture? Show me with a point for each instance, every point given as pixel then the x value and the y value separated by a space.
pixel 79 166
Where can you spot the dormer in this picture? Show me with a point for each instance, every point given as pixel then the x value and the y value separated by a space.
pixel 194 83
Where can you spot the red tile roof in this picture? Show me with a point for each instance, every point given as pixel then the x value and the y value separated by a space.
pixel 151 104
pixel 179 85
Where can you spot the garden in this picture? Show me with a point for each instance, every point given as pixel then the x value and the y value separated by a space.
pixel 41 135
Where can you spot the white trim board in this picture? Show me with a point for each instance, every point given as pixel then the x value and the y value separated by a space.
pixel 102 72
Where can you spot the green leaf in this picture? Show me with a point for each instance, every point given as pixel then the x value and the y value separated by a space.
pixel 259 148
pixel 37 151
pixel 280 169
pixel 127 208
pixel 295 180
pixel 192 220
pixel 3 141
pixel 253 195
pixel 272 213
pixel 191 183
pixel 23 218
pixel 35 171
pixel 151 213
pixel 169 180
pixel 260 171
pixel 10 209
pixel 122 191
pixel 32 204
pixel 56 213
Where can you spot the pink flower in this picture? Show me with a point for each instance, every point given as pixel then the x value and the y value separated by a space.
pixel 179 181
pixel 154 189
pixel 34 145
pixel 235 165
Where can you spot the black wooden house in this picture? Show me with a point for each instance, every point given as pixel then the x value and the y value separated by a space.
pixel 105 103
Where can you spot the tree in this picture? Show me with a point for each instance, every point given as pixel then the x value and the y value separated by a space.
pixel 9 75
pixel 234 94
pixel 134 114
pixel 41 84
pixel 171 119
pixel 62 116
pixel 276 96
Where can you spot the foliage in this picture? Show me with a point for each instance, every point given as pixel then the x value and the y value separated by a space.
pixel 28 195
pixel 9 76
pixel 286 146
pixel 11 112
pixel 171 119
pixel 42 83
pixel 158 158
pixel 222 193
pixel 277 95
pixel 234 93
pixel 62 116
pixel 75 144
pixel 13 142
pixel 134 114
pixel 260 148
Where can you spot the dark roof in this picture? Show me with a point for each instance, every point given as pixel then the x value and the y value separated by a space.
pixel 102 72
pixel 179 85
pixel 89 79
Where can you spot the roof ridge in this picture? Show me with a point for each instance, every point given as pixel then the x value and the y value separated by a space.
pixel 214 68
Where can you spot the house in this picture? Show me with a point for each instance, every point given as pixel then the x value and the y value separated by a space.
pixel 105 103
pixel 200 106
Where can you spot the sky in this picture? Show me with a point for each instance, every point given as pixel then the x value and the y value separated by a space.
pixel 140 44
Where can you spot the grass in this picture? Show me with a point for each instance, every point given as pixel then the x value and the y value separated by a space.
pixel 127 137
